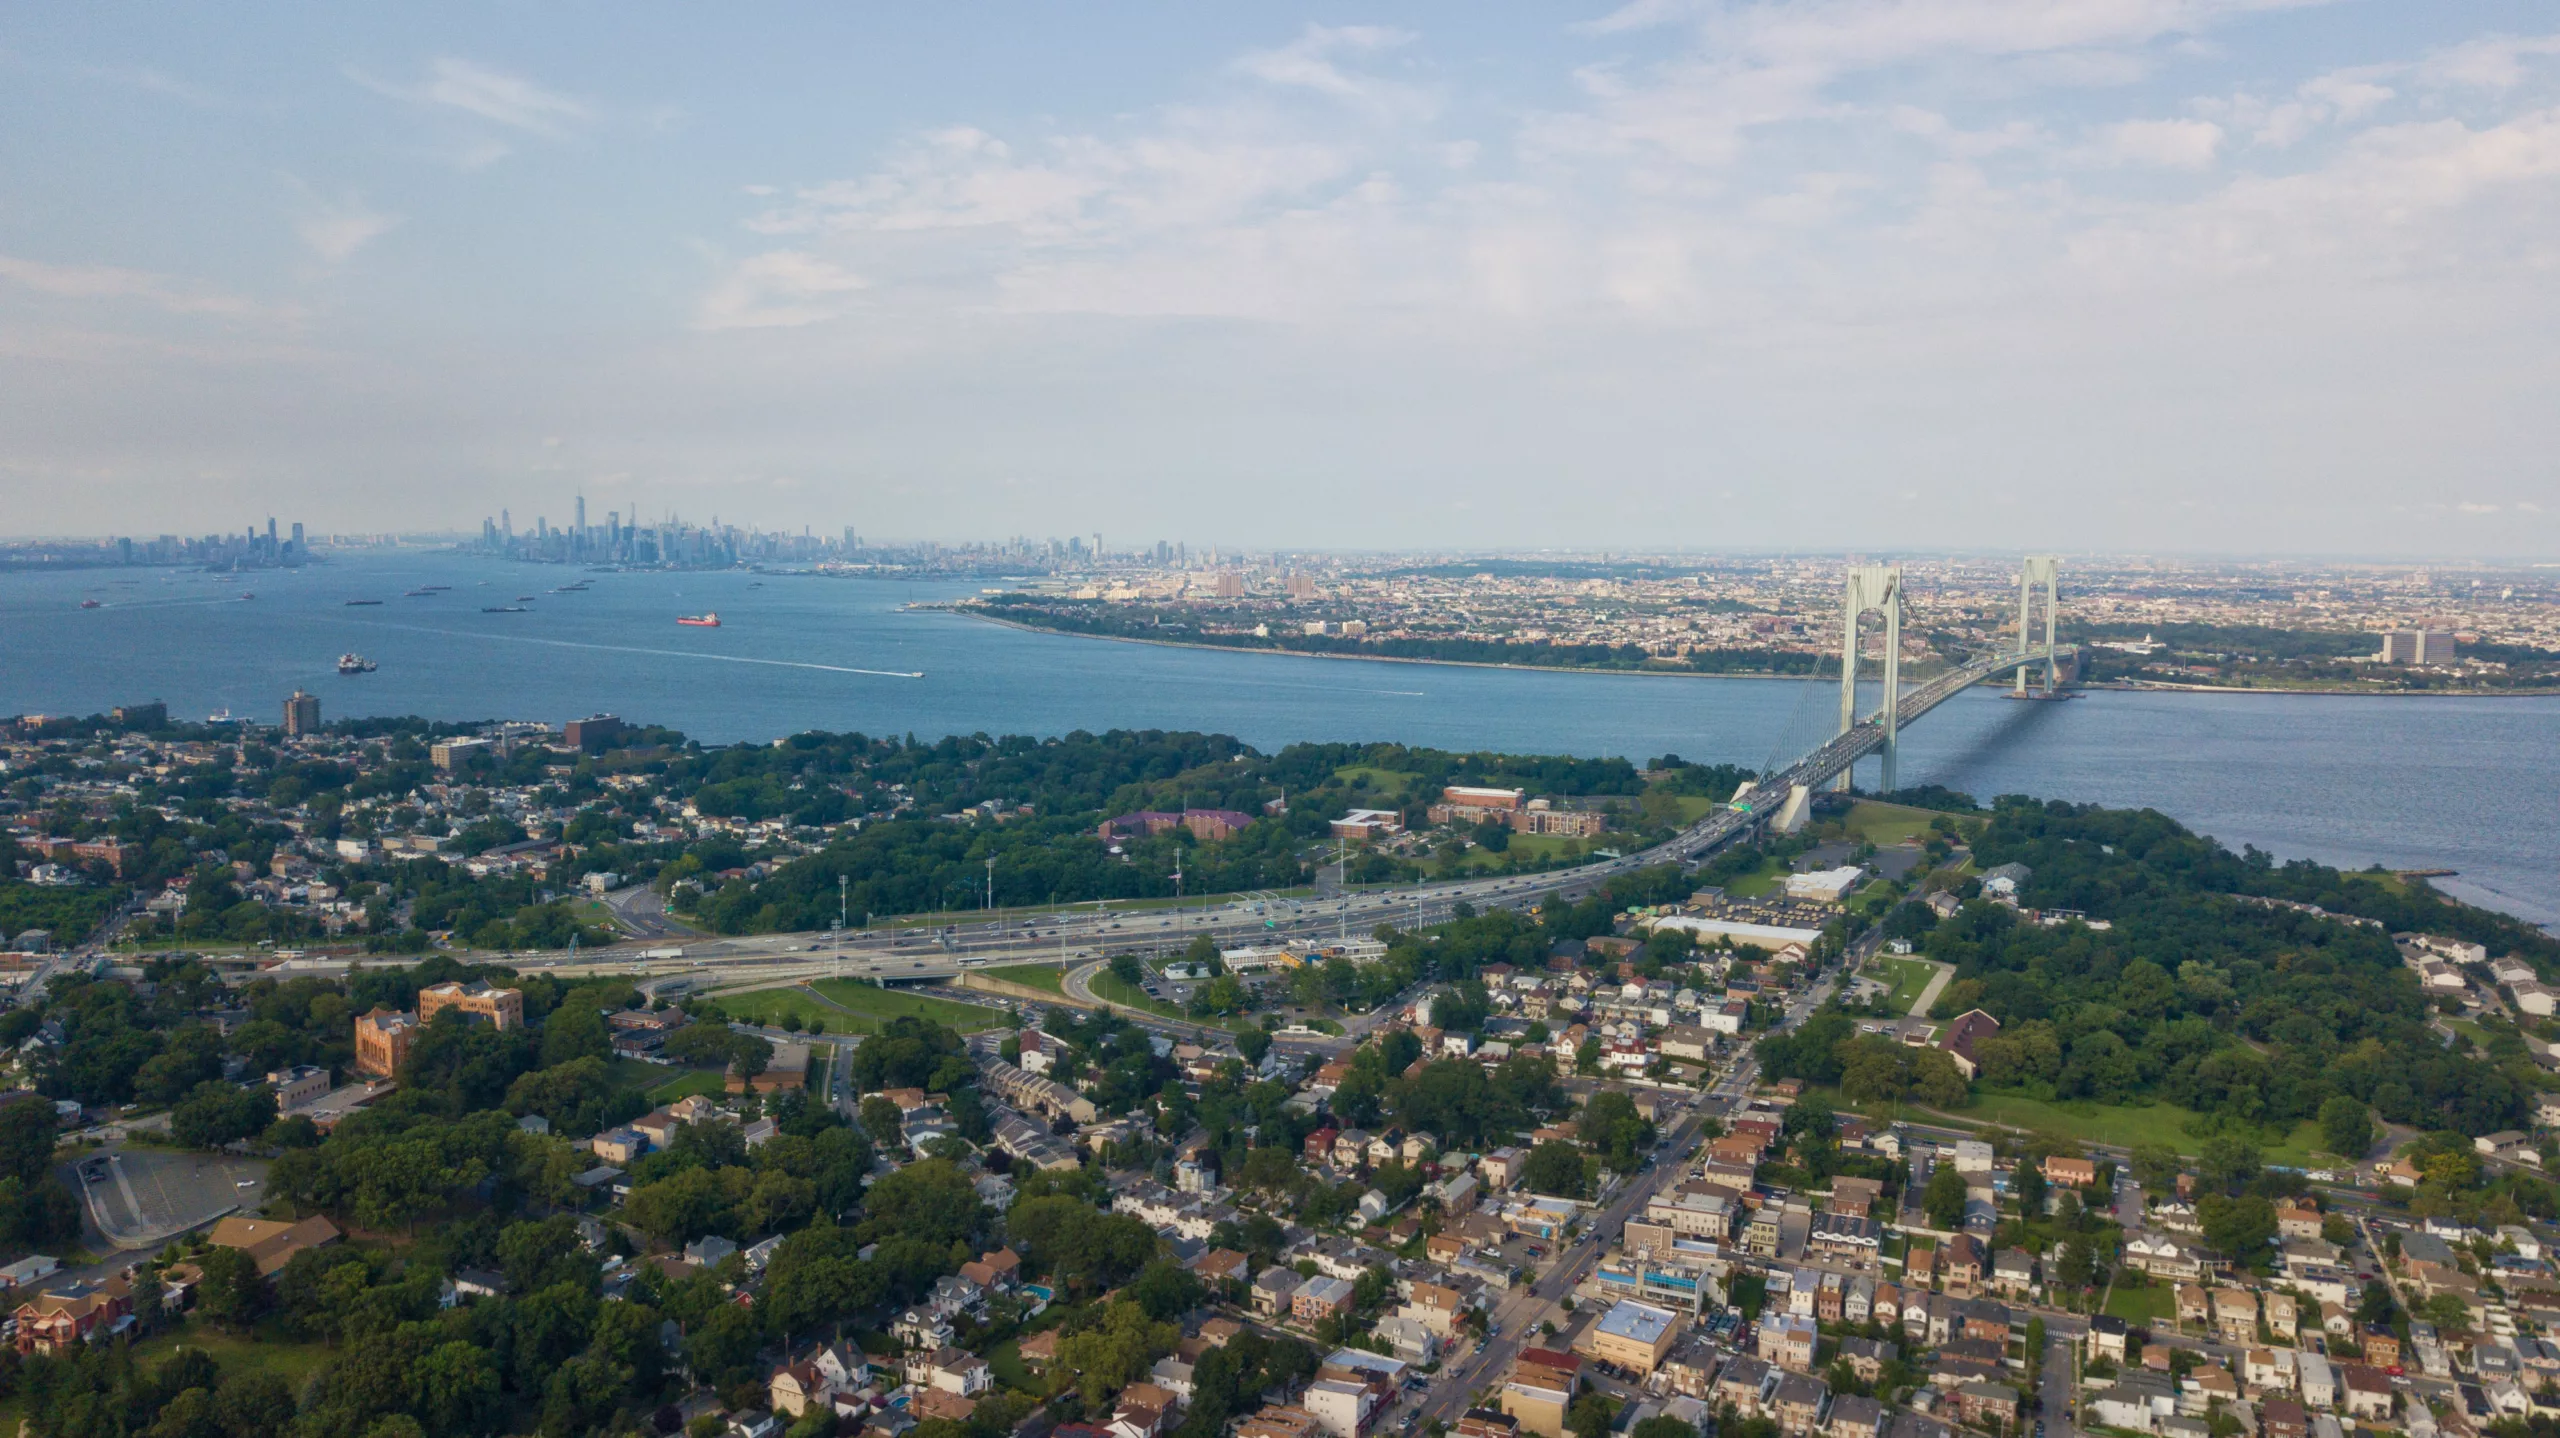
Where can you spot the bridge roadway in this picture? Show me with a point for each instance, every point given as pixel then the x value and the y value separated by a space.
pixel 1065 938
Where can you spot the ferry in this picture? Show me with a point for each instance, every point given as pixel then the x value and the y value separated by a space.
pixel 704 620
pixel 355 664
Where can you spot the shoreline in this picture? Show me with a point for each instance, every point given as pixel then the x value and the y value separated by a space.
pixel 967 612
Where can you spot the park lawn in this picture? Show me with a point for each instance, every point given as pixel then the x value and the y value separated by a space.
pixel 873 1005
pixel 1533 848
pixel 2143 1307
pixel 689 1083
pixel 1910 976
pixel 1032 976
pixel 771 1006
pixel 1879 823
pixel 1383 783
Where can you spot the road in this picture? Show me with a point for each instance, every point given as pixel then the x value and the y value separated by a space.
pixel 1064 937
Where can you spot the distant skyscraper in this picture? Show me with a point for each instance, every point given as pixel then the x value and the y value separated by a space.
pixel 297 534
pixel 582 517
pixel 301 715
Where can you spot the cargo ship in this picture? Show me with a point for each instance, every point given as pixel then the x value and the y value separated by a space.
pixel 700 621
pixel 353 602
pixel 355 664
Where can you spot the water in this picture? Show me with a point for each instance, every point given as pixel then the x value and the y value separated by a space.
pixel 2468 784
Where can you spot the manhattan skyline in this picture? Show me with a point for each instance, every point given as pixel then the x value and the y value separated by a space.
pixel 2183 275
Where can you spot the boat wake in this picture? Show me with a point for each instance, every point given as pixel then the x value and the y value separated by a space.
pixel 661 653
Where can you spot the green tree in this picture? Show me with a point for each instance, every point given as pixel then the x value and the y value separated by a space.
pixel 1555 1169
pixel 1611 1127
pixel 2155 1166
pixel 1591 1415
pixel 2346 1126
pixel 2240 1227
pixel 2228 1163
pixel 1943 1200
pixel 1116 1351
pixel 231 1293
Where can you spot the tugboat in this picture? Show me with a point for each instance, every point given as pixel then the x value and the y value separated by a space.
pixel 700 621
pixel 355 664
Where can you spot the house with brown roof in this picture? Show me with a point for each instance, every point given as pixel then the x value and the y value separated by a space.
pixel 272 1245
pixel 1970 1028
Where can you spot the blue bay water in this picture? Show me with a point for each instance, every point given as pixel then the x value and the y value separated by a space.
pixel 2467 784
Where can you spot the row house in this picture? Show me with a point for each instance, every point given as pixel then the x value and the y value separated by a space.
pixel 1800 1403
pixel 1842 1236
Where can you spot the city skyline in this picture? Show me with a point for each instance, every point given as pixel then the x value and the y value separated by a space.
pixel 2191 276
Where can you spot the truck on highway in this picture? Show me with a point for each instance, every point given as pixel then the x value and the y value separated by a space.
pixel 666 953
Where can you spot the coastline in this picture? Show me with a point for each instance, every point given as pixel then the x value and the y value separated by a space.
pixel 981 616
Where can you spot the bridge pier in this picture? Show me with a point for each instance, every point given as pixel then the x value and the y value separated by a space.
pixel 1873 586
pixel 2039 571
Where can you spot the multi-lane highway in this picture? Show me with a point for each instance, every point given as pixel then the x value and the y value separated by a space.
pixel 907 955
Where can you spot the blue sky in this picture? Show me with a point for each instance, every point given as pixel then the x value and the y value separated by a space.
pixel 2119 274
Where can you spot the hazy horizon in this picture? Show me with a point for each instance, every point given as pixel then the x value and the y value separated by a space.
pixel 2202 279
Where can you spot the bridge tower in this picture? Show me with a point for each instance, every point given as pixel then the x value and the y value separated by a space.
pixel 1873 587
pixel 2040 572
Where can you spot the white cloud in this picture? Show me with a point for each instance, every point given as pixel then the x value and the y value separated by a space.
pixel 778 289
pixel 336 229
pixel 108 282
pixel 490 94
pixel 2496 62
pixel 1312 62
pixel 2170 144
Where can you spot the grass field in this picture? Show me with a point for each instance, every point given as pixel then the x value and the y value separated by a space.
pixel 689 1082
pixel 1531 848
pixel 869 1004
pixel 1887 823
pixel 2145 1306
pixel 874 1005
pixel 1910 976
pixel 1107 985
pixel 2120 1127
pixel 1383 783
pixel 1032 976
pixel 1759 883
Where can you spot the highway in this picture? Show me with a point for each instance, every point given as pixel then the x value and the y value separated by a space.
pixel 907 955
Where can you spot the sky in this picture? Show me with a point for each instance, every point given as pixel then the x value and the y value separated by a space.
pixel 2162 275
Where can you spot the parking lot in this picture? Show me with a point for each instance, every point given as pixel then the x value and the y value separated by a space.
pixel 142 1197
